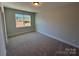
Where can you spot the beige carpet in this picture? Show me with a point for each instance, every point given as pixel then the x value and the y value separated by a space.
pixel 36 44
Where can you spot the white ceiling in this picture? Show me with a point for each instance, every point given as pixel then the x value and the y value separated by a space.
pixel 29 7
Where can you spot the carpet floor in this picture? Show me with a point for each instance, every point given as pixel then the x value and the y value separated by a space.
pixel 36 44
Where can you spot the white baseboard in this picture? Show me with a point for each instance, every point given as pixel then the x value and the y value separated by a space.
pixel 59 39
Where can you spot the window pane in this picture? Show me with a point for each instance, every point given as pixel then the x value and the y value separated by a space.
pixel 27 20
pixel 22 20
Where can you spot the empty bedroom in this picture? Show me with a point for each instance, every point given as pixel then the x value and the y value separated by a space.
pixel 39 28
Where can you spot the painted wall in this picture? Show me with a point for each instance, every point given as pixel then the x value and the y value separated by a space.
pixel 61 23
pixel 11 22
pixel 2 38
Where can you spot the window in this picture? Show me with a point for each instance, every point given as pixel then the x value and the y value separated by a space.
pixel 22 20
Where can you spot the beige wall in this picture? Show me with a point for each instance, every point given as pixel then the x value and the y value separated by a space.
pixel 61 23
